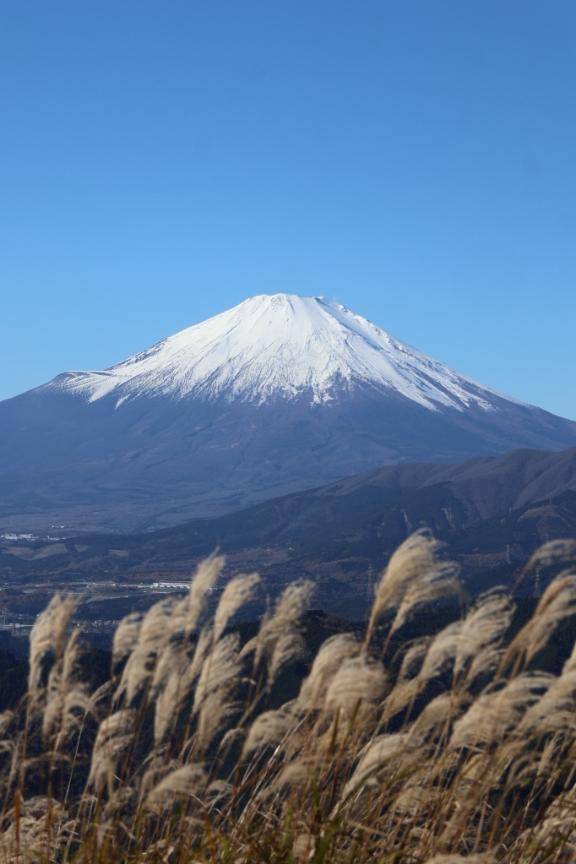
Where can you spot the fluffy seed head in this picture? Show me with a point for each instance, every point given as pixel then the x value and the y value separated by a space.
pixel 414 575
pixel 126 637
pixel 113 742
pixel 203 582
pixel 268 729
pixel 218 681
pixel 279 639
pixel 358 680
pixel 182 785
pixel 495 714
pixel 557 604
pixel 48 639
pixel 238 593
pixel 330 657
pixel 481 636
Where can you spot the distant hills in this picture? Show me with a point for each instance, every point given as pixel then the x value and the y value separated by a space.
pixel 276 395
pixel 492 512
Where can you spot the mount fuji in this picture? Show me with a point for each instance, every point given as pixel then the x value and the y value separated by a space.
pixel 278 394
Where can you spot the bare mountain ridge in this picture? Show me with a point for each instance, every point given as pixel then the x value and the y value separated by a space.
pixel 492 513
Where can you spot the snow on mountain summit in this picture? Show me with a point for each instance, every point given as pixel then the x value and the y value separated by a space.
pixel 284 346
pixel 279 394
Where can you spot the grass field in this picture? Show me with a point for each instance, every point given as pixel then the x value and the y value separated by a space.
pixel 446 732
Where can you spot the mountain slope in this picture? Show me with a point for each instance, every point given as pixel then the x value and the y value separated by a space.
pixel 492 512
pixel 278 394
pixel 278 346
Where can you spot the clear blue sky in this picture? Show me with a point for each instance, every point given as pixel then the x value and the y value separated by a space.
pixel 161 161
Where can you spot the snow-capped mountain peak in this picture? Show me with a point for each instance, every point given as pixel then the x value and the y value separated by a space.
pixel 279 394
pixel 279 345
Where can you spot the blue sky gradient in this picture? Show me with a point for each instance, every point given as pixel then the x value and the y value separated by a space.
pixel 160 162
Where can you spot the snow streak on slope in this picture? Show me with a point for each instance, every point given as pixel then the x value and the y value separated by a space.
pixel 284 346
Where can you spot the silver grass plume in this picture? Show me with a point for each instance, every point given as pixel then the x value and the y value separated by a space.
pixel 175 679
pixel 172 660
pixel 78 704
pixel 268 729
pixel 38 834
pixel 492 717
pixel 163 621
pixel 401 697
pixel 279 640
pixel 203 583
pixel 358 680
pixel 435 719
pixel 439 581
pixel 202 650
pixel 48 639
pixel 185 784
pixel 375 757
pixel 332 653
pixel 6 720
pixel 554 838
pixel 439 657
pixel 552 553
pixel 168 687
pixel 155 631
pixel 67 697
pixel 570 664
pixel 415 561
pixel 413 659
pixel 213 698
pixel 555 711
pixel 175 675
pixel 416 801
pixel 237 593
pixel 126 637
pixel 481 635
pixel 288 648
pixel 292 776
pixel 113 742
pixel 557 603
pixel 166 780
pixel 442 651
pixel 156 767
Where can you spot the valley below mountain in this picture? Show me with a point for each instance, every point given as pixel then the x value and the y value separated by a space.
pixel 491 512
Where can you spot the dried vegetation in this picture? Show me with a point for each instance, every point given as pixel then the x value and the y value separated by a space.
pixel 420 742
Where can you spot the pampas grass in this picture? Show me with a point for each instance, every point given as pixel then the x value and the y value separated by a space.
pixel 557 604
pixel 481 637
pixel 268 729
pixel 415 574
pixel 331 656
pixel 213 698
pixel 48 640
pixel 279 640
pixel 358 681
pixel 182 784
pixel 456 747
pixel 237 593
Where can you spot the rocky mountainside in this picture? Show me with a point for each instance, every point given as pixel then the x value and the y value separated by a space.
pixel 278 394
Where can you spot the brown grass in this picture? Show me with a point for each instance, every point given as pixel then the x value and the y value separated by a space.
pixel 455 747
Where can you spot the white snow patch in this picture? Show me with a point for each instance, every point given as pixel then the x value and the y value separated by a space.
pixel 280 345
